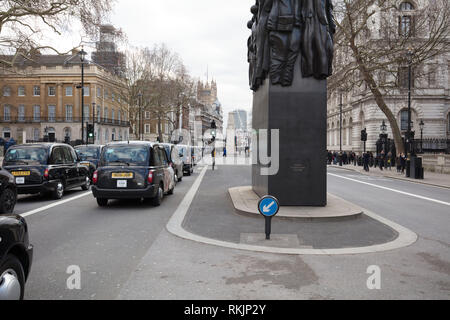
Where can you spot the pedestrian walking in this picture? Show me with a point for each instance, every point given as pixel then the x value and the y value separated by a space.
pixel 389 161
pixel 381 160
pixel 366 159
pixel 403 162
pixel 398 164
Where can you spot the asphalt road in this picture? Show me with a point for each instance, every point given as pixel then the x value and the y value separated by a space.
pixel 124 251
pixel 105 243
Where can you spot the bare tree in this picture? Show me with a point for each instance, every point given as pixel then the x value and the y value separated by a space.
pixel 372 44
pixel 24 22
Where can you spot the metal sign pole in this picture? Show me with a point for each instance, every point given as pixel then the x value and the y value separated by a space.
pixel 268 206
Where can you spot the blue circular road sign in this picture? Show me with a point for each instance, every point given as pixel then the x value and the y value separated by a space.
pixel 268 206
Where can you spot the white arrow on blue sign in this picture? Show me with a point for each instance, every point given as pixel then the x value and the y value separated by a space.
pixel 268 206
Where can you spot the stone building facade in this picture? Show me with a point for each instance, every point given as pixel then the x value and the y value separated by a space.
pixel 430 103
pixel 43 98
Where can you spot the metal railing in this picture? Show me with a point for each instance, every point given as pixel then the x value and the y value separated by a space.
pixel 432 146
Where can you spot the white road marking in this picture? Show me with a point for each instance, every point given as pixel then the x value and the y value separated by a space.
pixel 55 204
pixel 394 190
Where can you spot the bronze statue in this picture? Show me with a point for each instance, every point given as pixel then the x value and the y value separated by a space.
pixel 283 29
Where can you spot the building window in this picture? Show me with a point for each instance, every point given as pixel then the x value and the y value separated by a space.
pixel 51 113
pixel 406 26
pixel 36 91
pixel 147 115
pixel 87 111
pixel 7 113
pixel 51 91
pixel 112 115
pixel 99 109
pixel 113 136
pixel 37 113
pixel 147 128
pixel 99 92
pixel 21 91
pixel 106 94
pixel 448 122
pixel 86 91
pixel 406 21
pixel 112 96
pixel 69 113
pixel 6 133
pixel 36 134
pixel 6 91
pixel 67 133
pixel 69 91
pixel 406 6
pixel 21 113
pixel 404 120
pixel 105 113
pixel 403 78
pixel 119 115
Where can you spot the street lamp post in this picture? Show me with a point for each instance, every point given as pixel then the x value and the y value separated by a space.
pixel 93 121
pixel 340 124
pixel 82 55
pixel 410 147
pixel 383 136
pixel 422 125
pixel 140 115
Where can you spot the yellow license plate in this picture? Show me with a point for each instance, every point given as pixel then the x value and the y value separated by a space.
pixel 122 175
pixel 87 164
pixel 20 173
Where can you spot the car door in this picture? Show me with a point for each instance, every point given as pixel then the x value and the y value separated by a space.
pixel 57 167
pixel 71 172
pixel 81 171
pixel 157 165
pixel 167 170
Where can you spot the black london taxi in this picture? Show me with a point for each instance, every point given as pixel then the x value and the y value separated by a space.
pixel 174 160
pixel 46 168
pixel 89 156
pixel 133 170
pixel 16 256
pixel 8 192
pixel 184 152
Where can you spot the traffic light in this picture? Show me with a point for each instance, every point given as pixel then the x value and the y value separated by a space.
pixel 213 131
pixel 90 130
pixel 364 135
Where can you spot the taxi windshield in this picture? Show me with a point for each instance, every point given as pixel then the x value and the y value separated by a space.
pixel 125 155
pixel 86 153
pixel 26 155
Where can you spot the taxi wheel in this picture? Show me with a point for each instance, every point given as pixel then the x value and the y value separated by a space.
pixel 12 279
pixel 87 185
pixel 156 201
pixel 7 201
pixel 171 190
pixel 58 193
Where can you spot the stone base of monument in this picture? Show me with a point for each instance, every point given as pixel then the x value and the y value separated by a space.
pixel 245 201
pixel 299 113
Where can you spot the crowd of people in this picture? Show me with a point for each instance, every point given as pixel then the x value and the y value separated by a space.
pixel 368 160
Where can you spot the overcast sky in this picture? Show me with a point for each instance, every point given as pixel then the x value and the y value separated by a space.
pixel 207 34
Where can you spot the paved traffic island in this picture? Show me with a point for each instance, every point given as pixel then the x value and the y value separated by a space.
pixel 245 201
pixel 210 217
